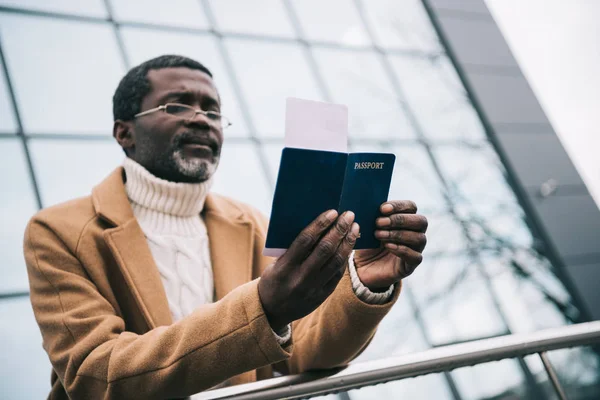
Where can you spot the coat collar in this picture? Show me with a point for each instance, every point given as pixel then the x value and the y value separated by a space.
pixel 230 235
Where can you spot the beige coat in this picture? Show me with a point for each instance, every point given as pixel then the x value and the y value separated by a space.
pixel 105 321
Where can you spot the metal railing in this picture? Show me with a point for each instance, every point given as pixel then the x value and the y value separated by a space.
pixel 431 361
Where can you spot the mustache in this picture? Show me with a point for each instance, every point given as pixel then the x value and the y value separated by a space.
pixel 198 137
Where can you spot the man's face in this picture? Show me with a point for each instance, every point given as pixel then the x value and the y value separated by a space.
pixel 171 147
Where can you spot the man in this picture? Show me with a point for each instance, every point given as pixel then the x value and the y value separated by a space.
pixel 152 287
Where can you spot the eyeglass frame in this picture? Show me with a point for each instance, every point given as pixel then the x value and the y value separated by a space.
pixel 196 110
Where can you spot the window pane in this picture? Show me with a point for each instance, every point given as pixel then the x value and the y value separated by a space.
pixel 92 8
pixel 358 80
pixel 240 176
pixel 422 387
pixel 399 321
pixel 179 13
pixel 437 98
pixel 8 122
pixel 534 363
pixel 24 365
pixel 401 24
pixel 475 176
pixel 70 169
pixel 482 196
pixel 17 205
pixel 502 227
pixel 272 152
pixel 495 380
pixel 268 74
pixel 64 73
pixel 331 21
pixel 415 178
pixel 144 44
pixel 533 298
pixel 454 300
pixel 262 17
pixel 578 371
pixel 445 234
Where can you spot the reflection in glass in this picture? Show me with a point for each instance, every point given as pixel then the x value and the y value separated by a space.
pixel 272 152
pixel 398 333
pixel 8 122
pixel 17 205
pixel 91 8
pixel 240 176
pixel 72 92
pixel 25 368
pixel 144 44
pixel 501 228
pixel 578 371
pixel 475 177
pixel 445 235
pixel 329 397
pixel 482 197
pixel 260 17
pixel 416 179
pixel 358 80
pixel 536 367
pixel 454 301
pixel 70 169
pixel 533 298
pixel 437 98
pixel 177 13
pixel 268 74
pixel 331 21
pixel 495 380
pixel 422 387
pixel 401 25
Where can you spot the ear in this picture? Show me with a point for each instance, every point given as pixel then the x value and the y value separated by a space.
pixel 124 133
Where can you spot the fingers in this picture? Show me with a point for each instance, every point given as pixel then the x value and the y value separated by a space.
pixel 398 206
pixel 349 241
pixel 327 247
pixel 337 263
pixel 415 240
pixel 413 222
pixel 308 238
pixel 410 257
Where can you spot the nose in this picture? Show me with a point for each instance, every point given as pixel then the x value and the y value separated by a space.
pixel 199 119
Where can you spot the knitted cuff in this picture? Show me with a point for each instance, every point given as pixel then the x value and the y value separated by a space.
pixel 284 335
pixel 363 292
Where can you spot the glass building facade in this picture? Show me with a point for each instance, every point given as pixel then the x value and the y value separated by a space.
pixel 484 274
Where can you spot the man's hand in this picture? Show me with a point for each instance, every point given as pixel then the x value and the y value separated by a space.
pixel 402 234
pixel 308 272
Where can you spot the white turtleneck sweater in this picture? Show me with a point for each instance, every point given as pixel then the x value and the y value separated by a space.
pixel 169 215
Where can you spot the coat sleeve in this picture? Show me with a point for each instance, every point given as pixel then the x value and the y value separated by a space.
pixel 96 357
pixel 337 331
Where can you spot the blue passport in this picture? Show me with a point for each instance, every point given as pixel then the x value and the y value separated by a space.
pixel 310 182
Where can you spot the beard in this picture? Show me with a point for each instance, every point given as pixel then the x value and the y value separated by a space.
pixel 195 168
pixel 174 165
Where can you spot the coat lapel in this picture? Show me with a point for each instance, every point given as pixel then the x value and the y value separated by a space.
pixel 128 246
pixel 230 237
pixel 231 244
pixel 231 253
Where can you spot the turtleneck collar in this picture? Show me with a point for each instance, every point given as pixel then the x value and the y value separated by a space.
pixel 163 199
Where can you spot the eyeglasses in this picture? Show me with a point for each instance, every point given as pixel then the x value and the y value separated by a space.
pixel 188 113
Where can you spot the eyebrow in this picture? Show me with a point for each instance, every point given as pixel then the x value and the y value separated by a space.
pixel 182 93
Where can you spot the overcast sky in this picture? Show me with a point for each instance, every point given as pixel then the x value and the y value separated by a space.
pixel 557 44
